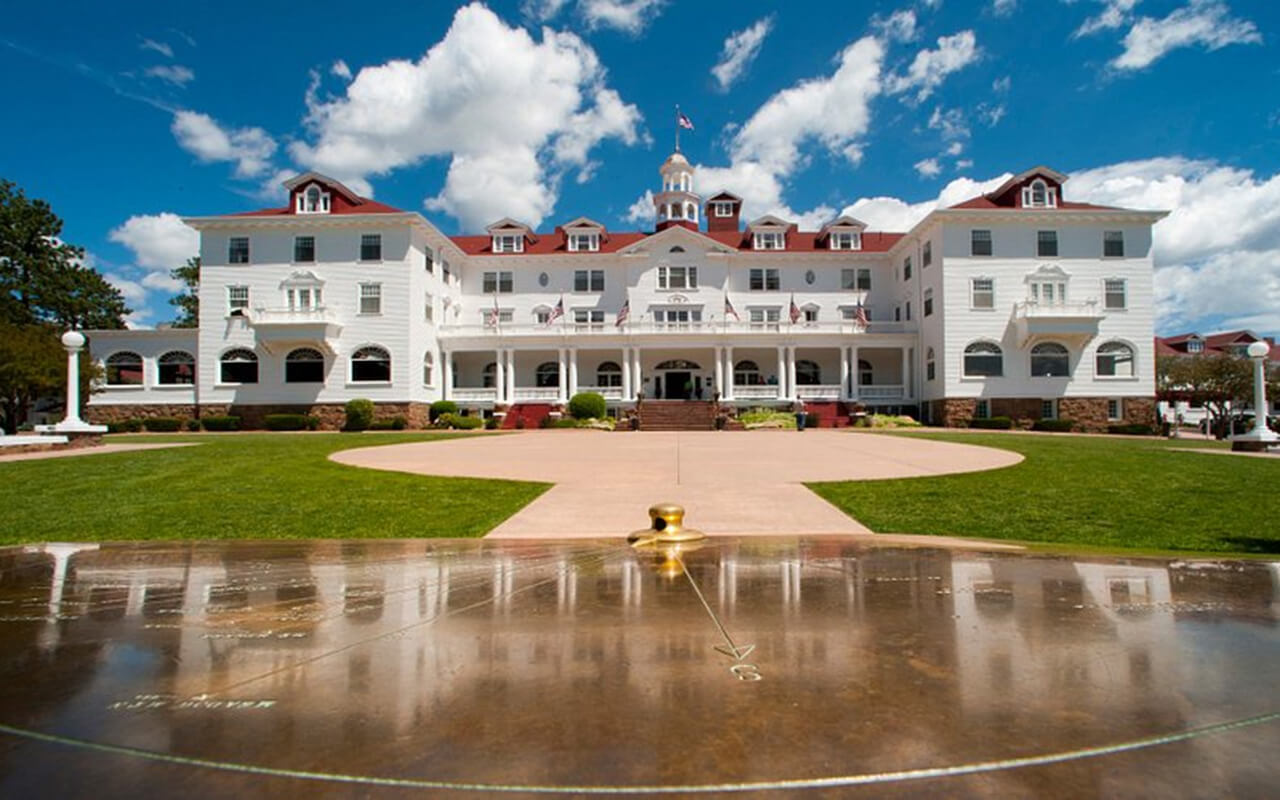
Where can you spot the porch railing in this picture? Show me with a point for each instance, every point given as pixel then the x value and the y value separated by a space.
pixel 818 392
pixel 467 394
pixel 755 392
pixel 551 393
pixel 882 392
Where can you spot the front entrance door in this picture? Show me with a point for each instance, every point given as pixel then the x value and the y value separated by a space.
pixel 679 385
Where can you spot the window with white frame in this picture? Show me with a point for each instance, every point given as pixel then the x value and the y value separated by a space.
pixel 677 278
pixel 1195 346
pixel 371 247
pixel 508 243
pixel 980 243
pixel 547 375
pixel 1049 409
pixel 542 315
pixel 591 317
pixel 1114 294
pixel 1048 291
pixel 722 208
pixel 1113 244
pixel 906 268
pixel 982 293
pixel 302 297
pixel 856 280
pixel 304 365
pixel 370 298
pixel 928 302
pixel 497 282
pixel 677 316
pixel 1114 360
pixel 371 365
pixel 763 280
pixel 929 368
pixel 505 315
pixel 609 374
pixel 313 201
pixel 176 368
pixel 428 368
pixel 1115 408
pixel 1039 195
pixel 588 280
pixel 845 240
pixel 926 255
pixel 430 260
pixel 584 242
pixel 809 314
pixel 238 250
pixel 304 249
pixel 768 240
pixel 238 366
pixel 747 373
pixel 983 360
pixel 124 369
pixel 1047 244
pixel 428 308
pixel 1050 360
pixel 982 409
pixel 237 300
pixel 764 317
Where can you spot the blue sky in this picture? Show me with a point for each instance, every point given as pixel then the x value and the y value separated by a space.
pixel 549 109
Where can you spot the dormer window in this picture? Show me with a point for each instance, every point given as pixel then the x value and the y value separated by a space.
pixel 769 240
pixel 508 243
pixel 313 201
pixel 1039 195
pixel 845 240
pixel 584 242
pixel 722 209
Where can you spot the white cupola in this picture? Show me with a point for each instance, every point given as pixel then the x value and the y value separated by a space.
pixel 676 204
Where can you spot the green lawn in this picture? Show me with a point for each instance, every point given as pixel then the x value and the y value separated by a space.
pixel 1085 491
pixel 244 486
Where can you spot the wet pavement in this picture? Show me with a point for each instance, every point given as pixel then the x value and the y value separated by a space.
pixel 826 666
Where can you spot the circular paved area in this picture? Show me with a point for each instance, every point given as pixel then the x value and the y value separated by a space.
pixel 729 483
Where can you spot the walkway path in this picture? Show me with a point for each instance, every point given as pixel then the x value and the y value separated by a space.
pixel 88 451
pixel 729 483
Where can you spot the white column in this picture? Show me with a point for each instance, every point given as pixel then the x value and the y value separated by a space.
pixel 510 391
pixel 719 389
pixel 637 380
pixel 906 373
pixel 446 363
pixel 500 376
pixel 573 371
pixel 626 375
pixel 562 383
pixel 728 372
pixel 782 373
pixel 857 375
pixel 73 341
pixel 792 394
pixel 844 373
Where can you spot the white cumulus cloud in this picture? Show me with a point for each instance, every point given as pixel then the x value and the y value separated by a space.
pixel 740 49
pixel 928 168
pixel 1202 22
pixel 1114 14
pixel 340 69
pixel 629 16
pixel 159 242
pixel 512 114
pixel 900 26
pixel 249 148
pixel 931 67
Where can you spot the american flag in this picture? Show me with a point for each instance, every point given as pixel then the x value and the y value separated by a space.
pixel 557 312
pixel 683 121
pixel 494 314
pixel 624 312
pixel 860 316
pixel 728 309
pixel 795 310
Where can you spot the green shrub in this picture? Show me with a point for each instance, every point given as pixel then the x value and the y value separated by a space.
pixel 290 422
pixel 491 424
pixel 1054 425
pixel 767 418
pixel 889 421
pixel 587 405
pixel 124 426
pixel 442 407
pixel 564 422
pixel 992 423
pixel 359 414
pixel 466 423
pixel 162 424
pixel 191 425
pixel 220 423
pixel 1131 429
pixel 396 423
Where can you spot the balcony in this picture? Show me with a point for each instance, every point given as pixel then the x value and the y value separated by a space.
pixel 664 329
pixel 755 392
pixel 1078 321
pixel 281 328
pixel 829 393
pixel 881 392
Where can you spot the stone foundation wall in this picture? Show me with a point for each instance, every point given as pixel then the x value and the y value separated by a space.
pixel 1089 412
pixel 332 415
pixel 952 412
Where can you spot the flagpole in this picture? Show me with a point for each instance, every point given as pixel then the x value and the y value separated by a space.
pixel 677 127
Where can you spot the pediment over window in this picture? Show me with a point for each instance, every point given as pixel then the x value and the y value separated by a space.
pixel 302 277
pixel 583 225
pixel 1048 272
pixel 313 193
pixel 768 223
pixel 844 223
pixel 506 225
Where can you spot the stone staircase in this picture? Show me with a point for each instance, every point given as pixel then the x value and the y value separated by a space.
pixel 677 415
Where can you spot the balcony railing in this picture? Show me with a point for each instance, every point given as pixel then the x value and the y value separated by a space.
pixel 1076 320
pixel 1032 308
pixel 468 394
pixel 537 393
pixel 292 316
pixel 607 392
pixel 755 392
pixel 648 327
pixel 818 392
pixel 287 327
pixel 882 392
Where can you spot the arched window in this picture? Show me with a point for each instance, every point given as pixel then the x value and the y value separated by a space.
pixel 177 367
pixel 428 368
pixel 304 365
pixel 929 369
pixel 1115 360
pixel 238 366
pixel 676 249
pixel 865 373
pixel 983 360
pixel 124 369
pixel 372 365
pixel 1039 193
pixel 547 375
pixel 608 374
pixel 313 199
pixel 808 373
pixel 746 373
pixel 1050 360
pixel 489 375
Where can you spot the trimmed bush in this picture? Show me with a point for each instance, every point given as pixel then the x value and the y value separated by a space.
pixel 359 414
pixel 125 426
pixel 1054 425
pixel 1131 430
pixel 587 405
pixel 466 423
pixel 491 424
pixel 220 423
pixel 191 425
pixel 162 424
pixel 992 423
pixel 290 422
pixel 442 407
pixel 396 423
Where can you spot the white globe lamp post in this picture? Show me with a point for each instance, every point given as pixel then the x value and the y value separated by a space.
pixel 1260 437
pixel 73 341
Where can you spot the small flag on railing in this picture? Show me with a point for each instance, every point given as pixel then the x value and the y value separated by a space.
pixel 624 312
pixel 860 316
pixel 494 314
pixel 795 310
pixel 557 312
pixel 728 309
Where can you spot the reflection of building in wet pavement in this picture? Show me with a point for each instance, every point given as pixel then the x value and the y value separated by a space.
pixel 902 657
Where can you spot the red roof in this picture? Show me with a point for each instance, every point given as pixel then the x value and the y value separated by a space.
pixel 1214 344
pixel 797 242
pixel 985 201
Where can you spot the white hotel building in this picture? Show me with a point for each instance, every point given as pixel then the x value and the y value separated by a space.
pixel 1016 303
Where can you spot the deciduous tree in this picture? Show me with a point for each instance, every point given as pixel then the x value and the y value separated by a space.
pixel 33 365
